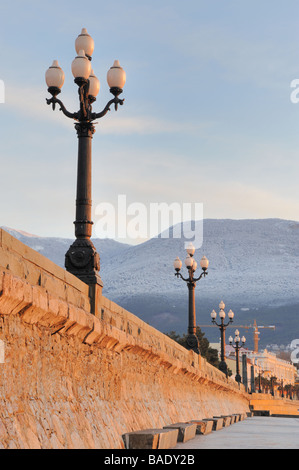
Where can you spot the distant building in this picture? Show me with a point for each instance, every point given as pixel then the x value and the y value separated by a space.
pixel 270 365
pixel 264 362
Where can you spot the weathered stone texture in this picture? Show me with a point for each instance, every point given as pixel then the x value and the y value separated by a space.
pixel 76 380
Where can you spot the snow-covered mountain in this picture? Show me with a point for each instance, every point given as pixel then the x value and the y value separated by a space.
pixel 254 268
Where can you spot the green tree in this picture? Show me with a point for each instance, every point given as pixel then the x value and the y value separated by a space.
pixel 210 354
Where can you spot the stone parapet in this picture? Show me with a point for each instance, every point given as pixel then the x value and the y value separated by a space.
pixel 72 379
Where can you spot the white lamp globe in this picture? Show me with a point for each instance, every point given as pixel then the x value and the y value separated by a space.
pixel 54 75
pixel 189 262
pixel 222 314
pixel 204 263
pixel 94 85
pixel 116 76
pixel 231 314
pixel 177 264
pixel 81 66
pixel 213 315
pixel 190 249
pixel 84 41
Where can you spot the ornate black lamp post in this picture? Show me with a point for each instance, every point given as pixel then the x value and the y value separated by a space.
pixel 238 345
pixel 281 385
pixel 191 265
pixel 272 381
pixel 260 382
pixel 222 326
pixel 81 259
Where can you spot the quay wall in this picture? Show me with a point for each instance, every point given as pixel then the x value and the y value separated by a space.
pixel 75 379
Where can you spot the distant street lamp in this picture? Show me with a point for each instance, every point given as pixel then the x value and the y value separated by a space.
pixel 81 259
pixel 260 381
pixel 191 265
pixel 237 348
pixel 272 382
pixel 222 326
pixel 282 394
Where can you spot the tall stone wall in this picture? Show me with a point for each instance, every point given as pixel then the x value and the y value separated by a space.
pixel 71 379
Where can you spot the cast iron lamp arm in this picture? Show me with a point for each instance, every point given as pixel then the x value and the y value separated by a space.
pixel 62 108
pixel 204 273
pixel 222 324
pixel 180 275
pixel 238 345
pixel 116 101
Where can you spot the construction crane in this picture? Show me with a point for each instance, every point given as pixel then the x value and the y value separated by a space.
pixel 256 332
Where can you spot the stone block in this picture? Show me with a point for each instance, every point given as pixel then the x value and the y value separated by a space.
pixel 227 420
pixel 57 313
pixel 203 427
pixel 151 439
pixel 216 422
pixel 79 322
pixel 39 307
pixel 187 431
pixel 15 295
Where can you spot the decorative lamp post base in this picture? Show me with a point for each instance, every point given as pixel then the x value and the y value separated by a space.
pixel 238 378
pixel 83 261
pixel 193 343
pixel 223 367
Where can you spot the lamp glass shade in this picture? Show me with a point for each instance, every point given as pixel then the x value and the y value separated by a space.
pixel 84 41
pixel 116 76
pixel 222 314
pixel 230 339
pixel 81 66
pixel 243 339
pixel 222 305
pixel 194 266
pixel 204 263
pixel 190 249
pixel 231 314
pixel 237 339
pixel 54 75
pixel 177 264
pixel 189 262
pixel 213 315
pixel 237 333
pixel 94 85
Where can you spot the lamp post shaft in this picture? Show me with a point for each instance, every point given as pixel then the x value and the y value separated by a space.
pixel 83 223
pixel 260 383
pixel 222 365
pixel 192 320
pixel 222 329
pixel 192 340
pixel 238 377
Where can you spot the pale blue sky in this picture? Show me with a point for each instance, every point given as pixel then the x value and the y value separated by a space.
pixel 207 117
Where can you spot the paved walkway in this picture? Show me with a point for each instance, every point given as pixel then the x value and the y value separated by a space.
pixel 257 432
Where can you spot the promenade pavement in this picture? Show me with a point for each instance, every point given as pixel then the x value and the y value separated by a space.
pixel 253 433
